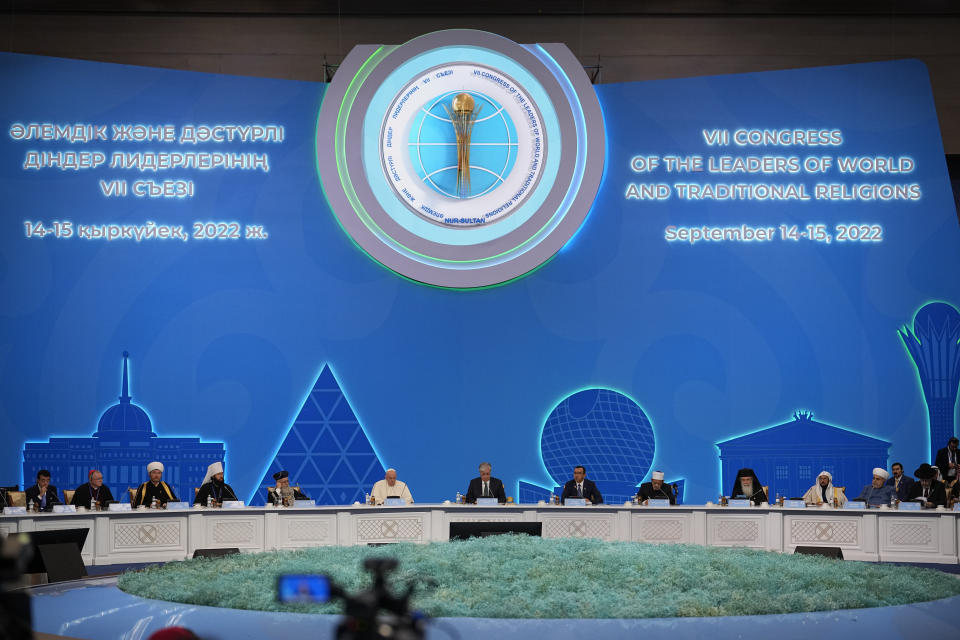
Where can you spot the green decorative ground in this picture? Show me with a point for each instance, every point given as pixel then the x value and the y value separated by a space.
pixel 526 577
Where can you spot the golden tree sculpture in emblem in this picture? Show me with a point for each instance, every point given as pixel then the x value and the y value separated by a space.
pixel 463 116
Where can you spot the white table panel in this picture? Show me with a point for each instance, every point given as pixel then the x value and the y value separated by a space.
pixel 737 528
pixel 917 537
pixel 659 527
pixel 830 528
pixel 146 536
pixel 580 523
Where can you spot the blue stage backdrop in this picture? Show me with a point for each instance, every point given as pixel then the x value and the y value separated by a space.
pixel 180 217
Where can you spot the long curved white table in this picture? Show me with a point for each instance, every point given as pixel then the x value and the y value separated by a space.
pixel 151 536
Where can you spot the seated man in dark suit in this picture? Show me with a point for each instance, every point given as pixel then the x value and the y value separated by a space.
pixel 43 493
pixel 929 490
pixel 485 486
pixel 901 484
pixel 656 489
pixel 93 494
pixel 948 460
pixel 580 487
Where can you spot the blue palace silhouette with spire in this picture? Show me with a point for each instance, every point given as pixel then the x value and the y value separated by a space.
pixel 122 446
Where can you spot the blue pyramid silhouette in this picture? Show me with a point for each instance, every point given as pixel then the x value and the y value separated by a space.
pixel 326 451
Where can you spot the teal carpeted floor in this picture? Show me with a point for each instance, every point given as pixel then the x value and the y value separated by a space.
pixel 527 577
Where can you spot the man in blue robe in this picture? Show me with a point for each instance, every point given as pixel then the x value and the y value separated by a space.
pixel 878 492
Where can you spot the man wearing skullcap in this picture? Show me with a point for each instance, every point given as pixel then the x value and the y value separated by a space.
pixel 823 491
pixel 93 492
pixel 154 488
pixel 878 492
pixel 214 487
pixel 390 487
pixel 283 492
pixel 656 489
pixel 930 491
pixel 747 485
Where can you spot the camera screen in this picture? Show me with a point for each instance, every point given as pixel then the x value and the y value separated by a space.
pixel 303 588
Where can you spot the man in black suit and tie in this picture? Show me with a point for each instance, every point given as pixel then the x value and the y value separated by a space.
pixel 901 484
pixel 43 494
pixel 580 487
pixel 948 460
pixel 485 486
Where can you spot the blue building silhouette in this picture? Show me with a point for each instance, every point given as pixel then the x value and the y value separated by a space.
pixel 121 448
pixel 326 451
pixel 933 346
pixel 603 430
pixel 788 457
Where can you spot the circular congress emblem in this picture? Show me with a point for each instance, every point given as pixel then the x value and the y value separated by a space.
pixel 460 159
pixel 423 152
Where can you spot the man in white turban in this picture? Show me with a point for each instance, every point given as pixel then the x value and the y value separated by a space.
pixel 656 489
pixel 877 493
pixel 154 489
pixel 823 491
pixel 214 487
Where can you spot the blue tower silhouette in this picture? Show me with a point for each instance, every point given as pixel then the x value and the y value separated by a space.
pixel 122 446
pixel 934 346
pixel 606 432
pixel 124 417
pixel 326 451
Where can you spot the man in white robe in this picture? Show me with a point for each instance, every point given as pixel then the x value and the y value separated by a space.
pixel 823 491
pixel 390 487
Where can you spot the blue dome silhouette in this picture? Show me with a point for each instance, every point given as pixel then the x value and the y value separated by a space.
pixel 606 432
pixel 125 416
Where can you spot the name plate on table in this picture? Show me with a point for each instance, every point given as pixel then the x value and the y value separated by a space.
pixel 304 503
pixel 852 504
pixel 13 510
pixel 910 506
pixel 794 504
pixel 232 504
pixel 487 502
pixel 64 508
pixel 575 502
pixel 400 502
pixel 658 502
pixel 956 507
pixel 740 502
pixel 118 506
pixel 177 506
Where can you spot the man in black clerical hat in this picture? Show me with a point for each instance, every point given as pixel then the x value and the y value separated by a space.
pixel 747 485
pixel 283 493
pixel 929 490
